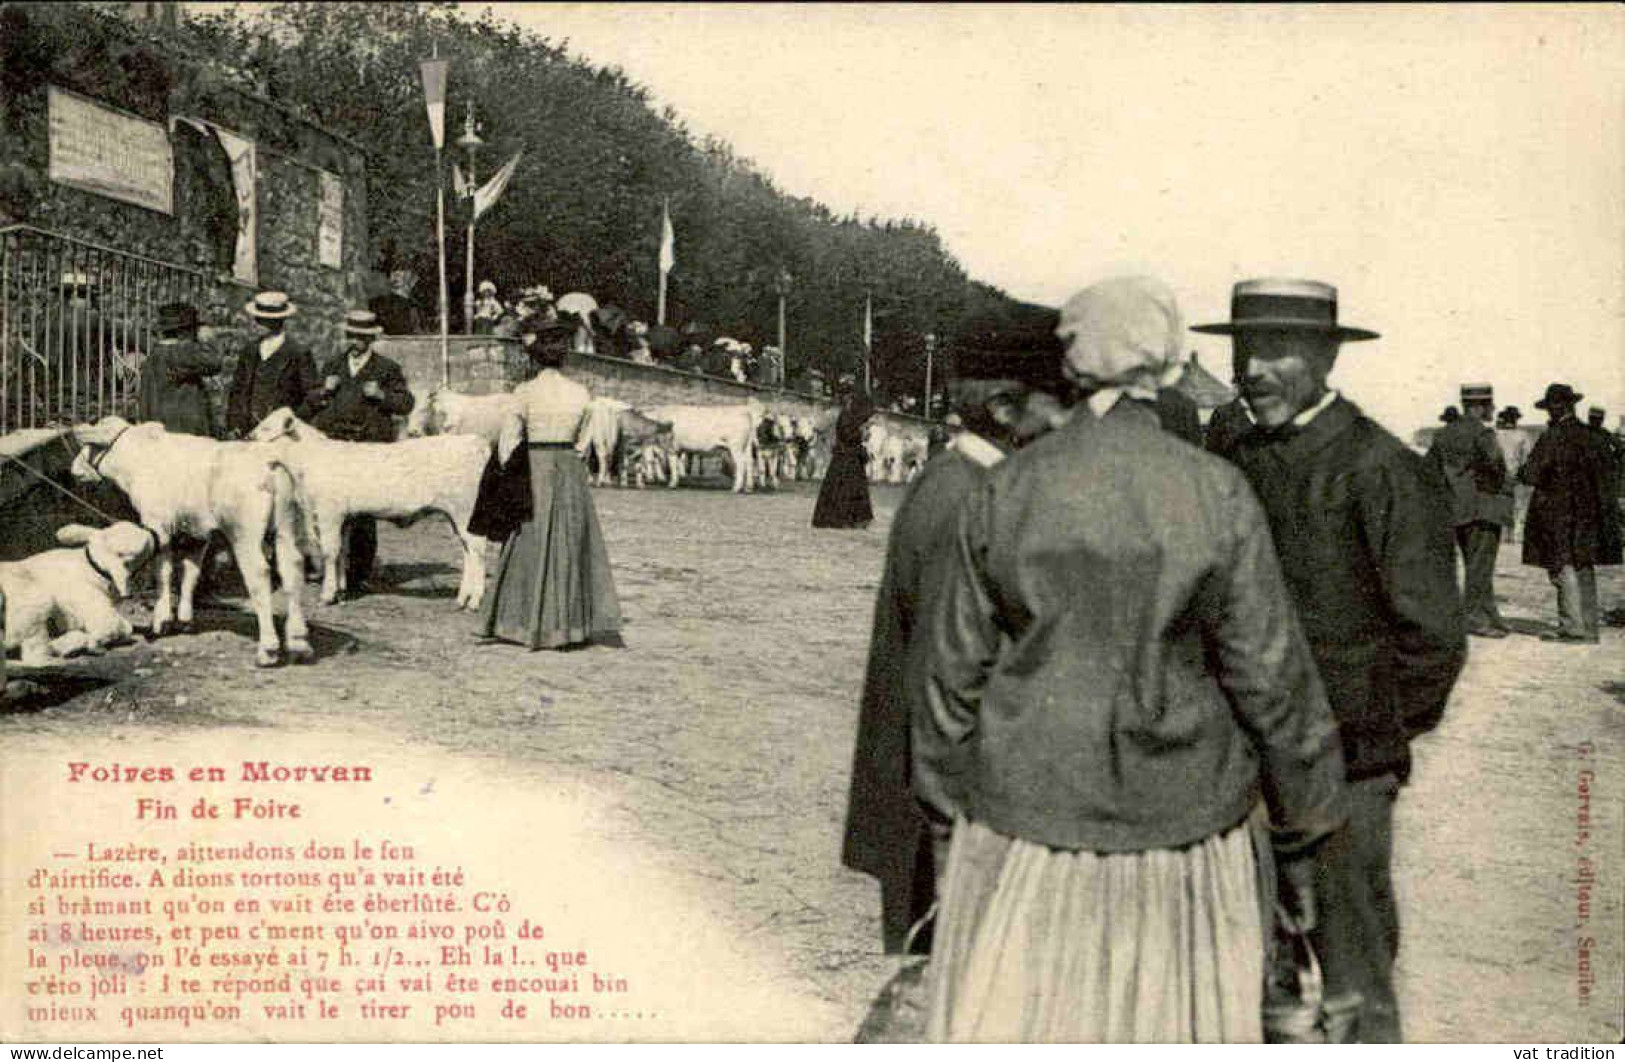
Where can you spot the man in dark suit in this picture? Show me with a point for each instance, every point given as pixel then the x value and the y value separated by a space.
pixel 1466 455
pixel 173 389
pixel 1360 525
pixel 1570 530
pixel 887 835
pixel 272 371
pixel 360 395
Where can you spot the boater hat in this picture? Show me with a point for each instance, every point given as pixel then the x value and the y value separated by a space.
pixel 1477 392
pixel 271 305
pixel 362 323
pixel 177 317
pixel 1284 306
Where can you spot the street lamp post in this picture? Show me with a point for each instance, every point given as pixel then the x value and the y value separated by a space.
pixel 781 284
pixel 471 142
pixel 930 352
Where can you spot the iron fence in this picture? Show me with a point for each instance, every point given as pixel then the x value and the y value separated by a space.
pixel 75 321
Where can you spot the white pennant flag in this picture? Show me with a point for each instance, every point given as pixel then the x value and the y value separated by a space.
pixel 244 158
pixel 485 197
pixel 434 94
pixel 668 239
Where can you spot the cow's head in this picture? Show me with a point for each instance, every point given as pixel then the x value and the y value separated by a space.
pixel 280 424
pixel 94 442
pixel 116 552
pixel 426 418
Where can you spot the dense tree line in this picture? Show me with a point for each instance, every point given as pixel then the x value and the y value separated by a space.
pixel 583 210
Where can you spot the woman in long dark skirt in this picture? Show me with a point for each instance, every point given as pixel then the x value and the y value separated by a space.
pixel 843 500
pixel 553 585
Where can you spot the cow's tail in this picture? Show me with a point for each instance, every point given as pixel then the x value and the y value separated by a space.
pixel 293 517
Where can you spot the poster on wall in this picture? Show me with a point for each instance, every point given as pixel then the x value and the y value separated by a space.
pixel 330 227
pixel 110 153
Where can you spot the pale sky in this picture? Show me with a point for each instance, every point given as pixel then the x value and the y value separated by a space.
pixel 1457 171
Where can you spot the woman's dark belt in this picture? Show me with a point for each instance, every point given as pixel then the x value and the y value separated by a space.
pixel 551 445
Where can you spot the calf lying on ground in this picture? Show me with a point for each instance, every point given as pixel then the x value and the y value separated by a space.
pixel 399 481
pixel 61 602
pixel 186 488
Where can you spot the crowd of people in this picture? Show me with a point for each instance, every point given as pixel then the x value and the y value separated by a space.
pixel 553 586
pixel 1136 716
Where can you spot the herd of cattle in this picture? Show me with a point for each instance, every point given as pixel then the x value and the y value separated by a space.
pixel 283 495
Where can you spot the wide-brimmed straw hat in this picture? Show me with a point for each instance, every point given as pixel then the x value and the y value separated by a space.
pixel 271 305
pixel 1477 392
pixel 362 323
pixel 1559 394
pixel 1284 305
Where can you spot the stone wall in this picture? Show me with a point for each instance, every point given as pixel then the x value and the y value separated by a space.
pixel 146 70
pixel 485 364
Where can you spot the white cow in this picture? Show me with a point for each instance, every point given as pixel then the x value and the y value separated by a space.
pixel 599 434
pixel 444 412
pixel 186 487
pixel 399 481
pixel 63 601
pixel 701 429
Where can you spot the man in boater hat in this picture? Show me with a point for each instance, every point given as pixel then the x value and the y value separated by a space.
pixel 1466 455
pixel 273 371
pixel 360 394
pixel 1365 542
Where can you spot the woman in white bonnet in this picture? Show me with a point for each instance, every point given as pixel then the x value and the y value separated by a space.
pixel 1116 672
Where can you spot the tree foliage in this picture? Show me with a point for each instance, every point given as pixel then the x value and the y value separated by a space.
pixel 583 210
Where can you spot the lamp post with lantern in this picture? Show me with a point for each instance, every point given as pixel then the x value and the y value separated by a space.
pixel 470 141
pixel 781 284
pixel 930 355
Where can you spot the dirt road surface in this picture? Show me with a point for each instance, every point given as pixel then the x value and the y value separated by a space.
pixel 715 746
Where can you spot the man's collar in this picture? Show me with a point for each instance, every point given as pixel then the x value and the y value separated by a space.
pixel 977 450
pixel 272 343
pixel 1302 420
pixel 359 362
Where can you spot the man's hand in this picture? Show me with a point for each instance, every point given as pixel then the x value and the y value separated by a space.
pixel 331 383
pixel 372 390
pixel 1295 881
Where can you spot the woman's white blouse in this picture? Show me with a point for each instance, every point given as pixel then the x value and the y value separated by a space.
pixel 553 405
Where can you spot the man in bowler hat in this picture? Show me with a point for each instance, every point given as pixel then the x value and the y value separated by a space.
pixel 1465 454
pixel 359 395
pixel 1570 530
pixel 273 371
pixel 1365 543
pixel 173 389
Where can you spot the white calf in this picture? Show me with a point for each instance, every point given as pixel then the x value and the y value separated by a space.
pixel 701 429
pixel 398 481
pixel 186 488
pixel 61 602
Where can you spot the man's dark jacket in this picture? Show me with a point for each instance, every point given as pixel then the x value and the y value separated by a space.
pixel 1227 424
pixel 173 389
pixel 887 835
pixel 260 387
pixel 1178 415
pixel 1569 522
pixel 1365 540
pixel 347 413
pixel 1465 453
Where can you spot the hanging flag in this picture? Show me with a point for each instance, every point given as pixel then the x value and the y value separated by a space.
pixel 668 239
pixel 459 183
pixel 485 197
pixel 434 94
pixel 244 158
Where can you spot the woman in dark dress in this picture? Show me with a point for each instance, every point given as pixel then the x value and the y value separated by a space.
pixel 843 500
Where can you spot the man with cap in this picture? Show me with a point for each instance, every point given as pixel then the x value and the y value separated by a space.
pixel 173 389
pixel 1465 455
pixel 359 395
pixel 887 834
pixel 1569 530
pixel 273 371
pixel 1365 541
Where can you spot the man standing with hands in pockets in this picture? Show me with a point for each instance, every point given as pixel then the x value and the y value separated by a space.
pixel 361 394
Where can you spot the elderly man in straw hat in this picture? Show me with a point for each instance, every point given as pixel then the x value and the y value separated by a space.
pixel 1466 455
pixel 1361 528
pixel 273 371
pixel 360 394
pixel 1115 673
